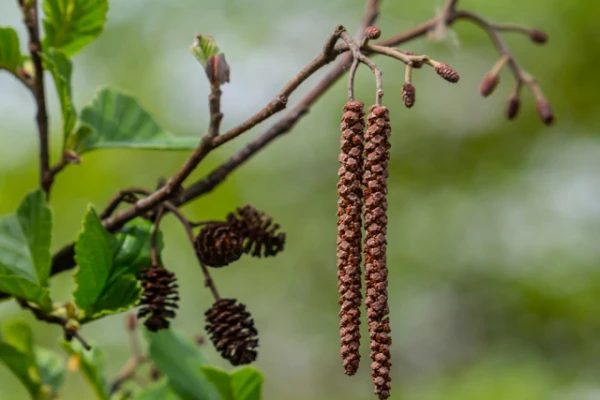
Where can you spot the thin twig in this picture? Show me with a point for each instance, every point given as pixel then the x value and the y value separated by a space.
pixel 358 55
pixel 55 319
pixel 208 281
pixel 214 100
pixel 154 238
pixel 136 359
pixel 30 18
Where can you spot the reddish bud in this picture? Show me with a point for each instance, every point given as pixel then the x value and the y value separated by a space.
pixel 488 84
pixel 22 72
pixel 408 95
pixel 217 70
pixel 512 107
pixel 447 72
pixel 538 36
pixel 545 111
pixel 372 33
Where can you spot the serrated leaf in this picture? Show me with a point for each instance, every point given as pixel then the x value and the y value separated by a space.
pixel 116 120
pixel 246 384
pixel 52 369
pixel 61 68
pixel 180 360
pixel 10 53
pixel 18 334
pixel 25 250
pixel 91 365
pixel 70 25
pixel 119 296
pixel 94 255
pixel 220 379
pixel 158 391
pixel 203 48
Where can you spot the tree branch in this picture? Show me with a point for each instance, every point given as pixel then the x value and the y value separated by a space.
pixel 29 10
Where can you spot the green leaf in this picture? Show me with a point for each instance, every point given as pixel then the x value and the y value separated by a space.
pixel 94 255
pixel 119 296
pixel 91 365
pixel 220 379
pixel 133 251
pixel 20 364
pixel 35 220
pixel 52 369
pixel 25 250
pixel 243 384
pixel 70 25
pixel 246 384
pixel 158 391
pixel 61 68
pixel 116 120
pixel 10 53
pixel 203 48
pixel 16 352
pixel 180 360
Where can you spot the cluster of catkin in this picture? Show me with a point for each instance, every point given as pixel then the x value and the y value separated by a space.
pixel 362 196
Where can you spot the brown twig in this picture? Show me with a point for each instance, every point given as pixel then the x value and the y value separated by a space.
pixel 208 281
pixel 63 260
pixel 30 18
pixel 136 358
pixel 70 332
pixel 358 55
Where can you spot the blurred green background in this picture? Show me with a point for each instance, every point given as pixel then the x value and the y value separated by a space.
pixel 494 248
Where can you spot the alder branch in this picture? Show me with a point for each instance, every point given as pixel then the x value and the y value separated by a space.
pixel 29 10
pixel 63 259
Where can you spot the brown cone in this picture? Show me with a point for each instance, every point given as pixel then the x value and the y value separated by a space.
pixel 232 331
pixel 408 95
pixel 447 72
pixel 258 232
pixel 218 245
pixel 376 155
pixel 160 297
pixel 349 232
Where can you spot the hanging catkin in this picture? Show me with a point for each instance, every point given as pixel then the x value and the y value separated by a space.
pixel 349 233
pixel 376 156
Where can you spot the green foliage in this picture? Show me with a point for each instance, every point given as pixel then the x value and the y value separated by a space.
pixel 70 25
pixel 203 48
pixel 10 53
pixel 91 365
pixel 159 391
pixel 41 371
pixel 116 120
pixel 243 384
pixel 106 282
pixel 25 250
pixel 93 253
pixel 132 252
pixel 61 68
pixel 180 360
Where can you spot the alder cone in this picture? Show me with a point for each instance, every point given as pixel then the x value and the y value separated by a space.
pixel 232 331
pixel 349 238
pixel 260 235
pixel 160 297
pixel 376 156
pixel 218 245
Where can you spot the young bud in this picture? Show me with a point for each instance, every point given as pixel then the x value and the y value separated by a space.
pixel 512 107
pixel 408 95
pixel 372 33
pixel 447 72
pixel 538 36
pixel 488 84
pixel 545 111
